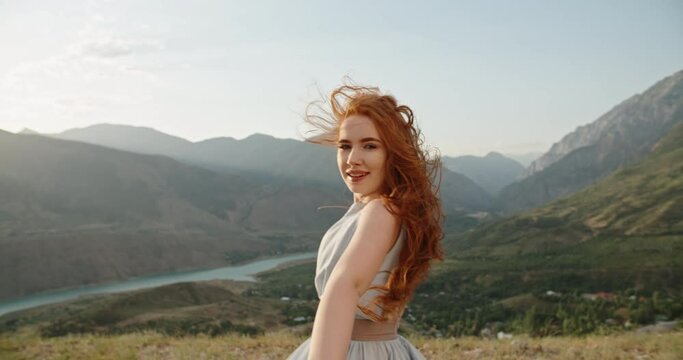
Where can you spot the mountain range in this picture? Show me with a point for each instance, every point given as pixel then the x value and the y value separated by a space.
pixel 107 202
pixel 73 213
pixel 639 204
pixel 621 235
pixel 622 136
pixel 265 157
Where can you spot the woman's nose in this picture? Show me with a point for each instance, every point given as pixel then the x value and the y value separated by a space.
pixel 354 157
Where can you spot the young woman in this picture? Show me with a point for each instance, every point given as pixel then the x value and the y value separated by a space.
pixel 371 260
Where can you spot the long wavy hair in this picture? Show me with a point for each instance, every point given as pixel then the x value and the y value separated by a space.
pixel 410 190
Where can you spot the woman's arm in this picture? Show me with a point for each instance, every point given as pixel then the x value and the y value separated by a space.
pixel 374 236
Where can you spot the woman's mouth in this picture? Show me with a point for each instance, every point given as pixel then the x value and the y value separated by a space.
pixel 357 176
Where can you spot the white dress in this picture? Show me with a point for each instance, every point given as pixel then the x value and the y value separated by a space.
pixel 332 246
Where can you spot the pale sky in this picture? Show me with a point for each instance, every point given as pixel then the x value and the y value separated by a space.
pixel 507 76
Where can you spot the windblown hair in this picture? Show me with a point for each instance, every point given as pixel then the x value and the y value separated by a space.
pixel 409 190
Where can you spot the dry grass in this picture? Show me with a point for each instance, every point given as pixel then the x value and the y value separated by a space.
pixel 149 345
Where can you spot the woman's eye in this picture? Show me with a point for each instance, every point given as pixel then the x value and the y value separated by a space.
pixel 368 146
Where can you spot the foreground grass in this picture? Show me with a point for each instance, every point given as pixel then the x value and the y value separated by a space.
pixel 26 344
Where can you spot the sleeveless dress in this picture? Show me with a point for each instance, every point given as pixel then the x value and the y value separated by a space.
pixel 332 246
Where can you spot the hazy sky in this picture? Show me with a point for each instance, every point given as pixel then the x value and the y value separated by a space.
pixel 509 76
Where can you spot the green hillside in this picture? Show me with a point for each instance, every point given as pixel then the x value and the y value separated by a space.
pixel 608 257
pixel 640 202
pixel 208 307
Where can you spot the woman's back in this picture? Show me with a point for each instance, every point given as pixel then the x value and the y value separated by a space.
pixel 370 340
pixel 332 246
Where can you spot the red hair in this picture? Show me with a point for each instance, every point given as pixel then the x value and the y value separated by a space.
pixel 409 190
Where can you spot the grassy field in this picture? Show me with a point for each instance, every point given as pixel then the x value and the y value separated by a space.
pixel 26 344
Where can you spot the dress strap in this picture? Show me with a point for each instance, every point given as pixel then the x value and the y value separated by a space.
pixel 368 330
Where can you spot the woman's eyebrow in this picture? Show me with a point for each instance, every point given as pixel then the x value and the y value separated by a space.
pixel 361 140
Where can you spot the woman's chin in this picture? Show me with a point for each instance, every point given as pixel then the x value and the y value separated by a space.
pixel 354 188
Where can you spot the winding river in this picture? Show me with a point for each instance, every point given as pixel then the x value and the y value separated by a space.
pixel 241 272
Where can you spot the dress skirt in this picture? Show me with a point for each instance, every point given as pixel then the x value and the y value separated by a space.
pixel 397 349
pixel 371 341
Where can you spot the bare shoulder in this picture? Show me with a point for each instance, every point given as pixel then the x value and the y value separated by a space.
pixel 376 208
pixel 378 215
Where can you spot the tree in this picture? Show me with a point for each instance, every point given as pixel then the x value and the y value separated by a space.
pixel 531 320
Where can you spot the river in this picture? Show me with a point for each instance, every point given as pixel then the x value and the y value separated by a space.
pixel 241 272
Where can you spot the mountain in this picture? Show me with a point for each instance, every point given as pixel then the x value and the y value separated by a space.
pixel 526 158
pixel 491 172
pixel 459 193
pixel 261 158
pixel 650 112
pixel 259 155
pixel 137 139
pixel 27 131
pixel 610 253
pixel 282 159
pixel 621 137
pixel 631 218
pixel 73 213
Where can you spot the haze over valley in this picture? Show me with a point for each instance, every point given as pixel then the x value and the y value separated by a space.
pixel 600 212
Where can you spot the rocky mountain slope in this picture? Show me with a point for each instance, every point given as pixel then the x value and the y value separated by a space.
pixel 619 138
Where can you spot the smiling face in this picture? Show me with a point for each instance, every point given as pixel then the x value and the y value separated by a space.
pixel 361 157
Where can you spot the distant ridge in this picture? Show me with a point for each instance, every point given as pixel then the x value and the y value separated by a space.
pixel 138 139
pixel 622 136
pixel 263 158
pixel 641 201
pixel 525 158
pixel 491 172
pixel 27 131
pixel 640 109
